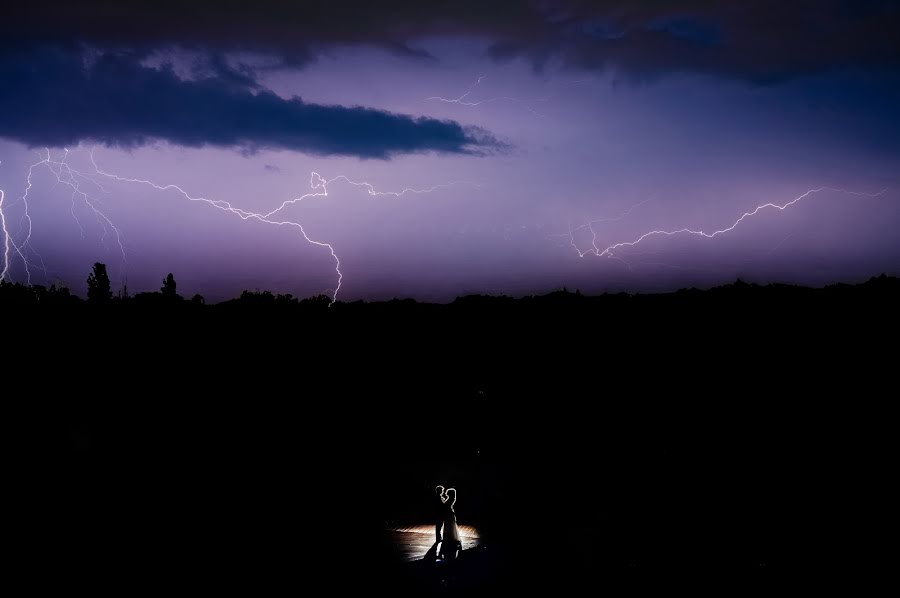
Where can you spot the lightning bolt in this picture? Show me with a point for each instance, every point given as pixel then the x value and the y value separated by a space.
pixel 462 101
pixel 72 178
pixel 316 182
pixel 610 250
pixel 5 236
pixel 319 187
pixel 595 249
pixel 9 243
pixel 76 179
pixel 67 175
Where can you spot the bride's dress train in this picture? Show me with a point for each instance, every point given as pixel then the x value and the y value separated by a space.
pixel 451 543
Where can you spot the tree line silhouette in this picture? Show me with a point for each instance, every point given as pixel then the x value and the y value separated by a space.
pixel 100 293
pixel 880 289
pixel 678 431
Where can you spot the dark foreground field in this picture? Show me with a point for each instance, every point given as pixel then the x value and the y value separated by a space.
pixel 723 439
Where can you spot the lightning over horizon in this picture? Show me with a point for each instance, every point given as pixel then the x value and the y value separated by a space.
pixel 65 174
pixel 433 153
pixel 610 250
pixel 248 246
pixel 73 178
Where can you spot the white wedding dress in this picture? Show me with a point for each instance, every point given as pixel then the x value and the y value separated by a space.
pixel 451 530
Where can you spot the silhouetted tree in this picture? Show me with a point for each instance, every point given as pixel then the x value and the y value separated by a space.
pixel 257 298
pixel 198 300
pixel 16 292
pixel 168 288
pixel 287 299
pixel 317 302
pixel 61 294
pixel 98 285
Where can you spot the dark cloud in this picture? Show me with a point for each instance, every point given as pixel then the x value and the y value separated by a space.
pixel 762 40
pixel 53 96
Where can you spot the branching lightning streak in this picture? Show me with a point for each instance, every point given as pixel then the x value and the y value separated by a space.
pixel 462 101
pixel 317 182
pixel 243 214
pixel 8 240
pixel 595 249
pixel 63 169
pixel 64 175
pixel 5 237
pixel 73 178
pixel 319 187
pixel 610 250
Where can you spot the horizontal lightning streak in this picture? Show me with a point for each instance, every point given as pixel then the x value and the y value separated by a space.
pixel 610 250
pixel 73 178
pixel 462 101
pixel 590 226
pixel 243 214
pixel 320 189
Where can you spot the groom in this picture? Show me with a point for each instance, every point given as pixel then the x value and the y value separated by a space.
pixel 439 511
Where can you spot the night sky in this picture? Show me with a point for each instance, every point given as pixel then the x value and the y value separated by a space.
pixel 542 133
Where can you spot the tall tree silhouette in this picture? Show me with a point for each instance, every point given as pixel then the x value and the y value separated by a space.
pixel 98 284
pixel 168 288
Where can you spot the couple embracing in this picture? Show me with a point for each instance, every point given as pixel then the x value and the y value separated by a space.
pixel 446 518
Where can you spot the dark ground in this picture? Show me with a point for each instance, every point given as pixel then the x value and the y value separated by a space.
pixel 724 440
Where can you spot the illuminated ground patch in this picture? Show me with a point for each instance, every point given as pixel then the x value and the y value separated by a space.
pixel 414 541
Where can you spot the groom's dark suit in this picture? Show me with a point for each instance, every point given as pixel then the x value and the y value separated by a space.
pixel 438 514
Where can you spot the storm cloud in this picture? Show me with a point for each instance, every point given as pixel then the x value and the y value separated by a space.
pixel 81 70
pixel 52 97
pixel 762 41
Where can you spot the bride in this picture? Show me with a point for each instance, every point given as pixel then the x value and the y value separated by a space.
pixel 451 544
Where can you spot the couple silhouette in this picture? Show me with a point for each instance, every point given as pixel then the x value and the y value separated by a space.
pixel 445 517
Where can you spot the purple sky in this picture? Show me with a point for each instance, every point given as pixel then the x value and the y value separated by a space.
pixel 681 148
